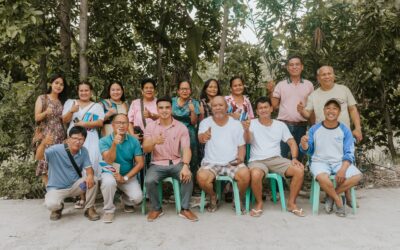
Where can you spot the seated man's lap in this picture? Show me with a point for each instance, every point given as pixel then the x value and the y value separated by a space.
pixel 276 164
pixel 223 170
pixel 317 168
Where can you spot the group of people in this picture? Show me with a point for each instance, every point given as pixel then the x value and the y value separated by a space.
pixel 195 141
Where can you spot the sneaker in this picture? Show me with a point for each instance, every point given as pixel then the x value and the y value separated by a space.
pixel 187 214
pixel 79 204
pixel 154 215
pixel 328 205
pixel 56 215
pixel 341 211
pixel 108 217
pixel 91 214
pixel 129 209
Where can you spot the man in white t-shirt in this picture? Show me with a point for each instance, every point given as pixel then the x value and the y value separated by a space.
pixel 265 135
pixel 224 152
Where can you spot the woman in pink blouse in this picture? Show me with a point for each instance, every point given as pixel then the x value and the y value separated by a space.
pixel 239 106
pixel 144 110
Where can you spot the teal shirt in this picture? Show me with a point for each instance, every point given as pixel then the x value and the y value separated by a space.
pixel 182 114
pixel 126 151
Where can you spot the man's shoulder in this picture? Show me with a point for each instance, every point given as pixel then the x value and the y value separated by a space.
pixel 132 139
pixel 106 138
pixel 55 148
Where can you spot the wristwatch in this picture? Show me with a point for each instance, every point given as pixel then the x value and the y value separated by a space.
pixel 126 178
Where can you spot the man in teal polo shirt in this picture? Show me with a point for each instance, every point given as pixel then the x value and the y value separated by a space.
pixel 123 155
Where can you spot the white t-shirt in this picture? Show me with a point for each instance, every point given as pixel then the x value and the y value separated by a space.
pixel 223 145
pixel 319 97
pixel 92 112
pixel 266 139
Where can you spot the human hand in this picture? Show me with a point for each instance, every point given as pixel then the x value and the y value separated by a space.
pixel 297 164
pixel 207 135
pixel 146 113
pixel 118 177
pixel 246 125
pixel 74 108
pixel 160 139
pixel 185 175
pixel 358 134
pixel 89 181
pixel 48 140
pixel 270 87
pixel 235 115
pixel 118 138
pixel 340 176
pixel 48 111
pixel 300 107
pixel 111 112
pixel 191 106
pixel 304 141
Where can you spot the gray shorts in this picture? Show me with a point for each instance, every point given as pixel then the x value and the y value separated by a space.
pixel 276 164
pixel 226 170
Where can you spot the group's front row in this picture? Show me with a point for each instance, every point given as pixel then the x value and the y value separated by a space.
pixel 329 144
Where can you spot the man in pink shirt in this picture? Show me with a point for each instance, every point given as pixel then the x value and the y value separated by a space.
pixel 286 96
pixel 166 138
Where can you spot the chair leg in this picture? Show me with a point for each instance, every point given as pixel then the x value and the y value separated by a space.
pixel 353 200
pixel 160 190
pixel 218 187
pixel 248 194
pixel 144 200
pixel 315 202
pixel 281 193
pixel 273 189
pixel 236 197
pixel 202 201
pixel 177 194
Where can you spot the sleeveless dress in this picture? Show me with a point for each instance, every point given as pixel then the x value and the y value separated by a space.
pixel 52 124
pixel 121 108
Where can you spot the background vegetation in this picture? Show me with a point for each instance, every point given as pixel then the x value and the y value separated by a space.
pixel 191 39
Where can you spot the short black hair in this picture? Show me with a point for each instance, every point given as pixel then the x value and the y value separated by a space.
pixel 234 78
pixel 112 118
pixel 262 99
pixel 78 130
pixel 293 57
pixel 148 80
pixel 334 101
pixel 164 99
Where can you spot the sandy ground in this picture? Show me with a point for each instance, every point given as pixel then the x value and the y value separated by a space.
pixel 24 224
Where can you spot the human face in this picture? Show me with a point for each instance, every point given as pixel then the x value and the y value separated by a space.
pixel 120 124
pixel 164 109
pixel 116 92
pixel 57 86
pixel 264 110
pixel 84 92
pixel 326 77
pixel 237 87
pixel 75 142
pixel 331 112
pixel 219 107
pixel 148 91
pixel 184 90
pixel 212 89
pixel 294 67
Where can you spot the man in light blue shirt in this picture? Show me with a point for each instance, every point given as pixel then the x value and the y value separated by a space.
pixel 331 147
pixel 64 178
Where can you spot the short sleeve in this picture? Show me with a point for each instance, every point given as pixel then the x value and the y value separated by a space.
pixel 196 107
pixel 240 135
pixel 104 144
pixel 350 98
pixel 277 91
pixel 98 110
pixel 185 139
pixel 86 159
pixel 148 131
pixel 310 102
pixel 286 135
pixel 67 106
pixel 204 125
pixel 48 153
pixel 137 147
pixel 131 112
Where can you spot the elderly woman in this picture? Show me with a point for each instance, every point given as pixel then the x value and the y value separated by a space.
pixel 48 111
pixel 239 106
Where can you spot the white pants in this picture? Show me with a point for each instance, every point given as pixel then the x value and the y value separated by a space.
pixel 132 193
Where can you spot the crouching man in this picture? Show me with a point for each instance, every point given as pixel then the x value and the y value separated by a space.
pixel 65 164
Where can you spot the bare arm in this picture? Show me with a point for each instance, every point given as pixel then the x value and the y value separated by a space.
pixel 355 117
pixel 186 155
pixel 241 153
pixel 139 163
pixel 275 102
pixel 39 113
pixel 294 150
pixel 90 124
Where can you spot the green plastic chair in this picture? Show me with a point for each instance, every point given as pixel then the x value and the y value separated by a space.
pixel 275 178
pixel 315 191
pixel 177 193
pixel 236 195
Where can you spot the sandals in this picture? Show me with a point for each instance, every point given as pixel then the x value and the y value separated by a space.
pixel 298 212
pixel 212 206
pixel 79 204
pixel 256 212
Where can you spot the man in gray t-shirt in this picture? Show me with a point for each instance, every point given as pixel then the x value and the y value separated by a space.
pixel 64 180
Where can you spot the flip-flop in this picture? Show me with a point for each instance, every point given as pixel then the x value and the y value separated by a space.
pixel 298 212
pixel 212 206
pixel 256 212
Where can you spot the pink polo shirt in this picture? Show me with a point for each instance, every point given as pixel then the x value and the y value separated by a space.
pixel 176 138
pixel 291 94
pixel 135 112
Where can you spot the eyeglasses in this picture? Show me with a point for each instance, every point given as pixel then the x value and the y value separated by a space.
pixel 118 123
pixel 78 139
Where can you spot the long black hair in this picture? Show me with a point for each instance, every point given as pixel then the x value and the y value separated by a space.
pixel 63 96
pixel 107 94
pixel 203 94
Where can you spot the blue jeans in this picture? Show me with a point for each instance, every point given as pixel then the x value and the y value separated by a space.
pixel 297 132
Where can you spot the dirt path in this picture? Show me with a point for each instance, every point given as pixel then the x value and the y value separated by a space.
pixel 24 224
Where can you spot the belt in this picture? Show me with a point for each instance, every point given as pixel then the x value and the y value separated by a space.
pixel 295 123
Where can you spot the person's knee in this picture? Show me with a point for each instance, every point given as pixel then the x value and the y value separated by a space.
pixel 136 197
pixel 297 172
pixel 108 183
pixel 151 180
pixel 52 205
pixel 256 175
pixel 323 179
pixel 203 177
pixel 243 175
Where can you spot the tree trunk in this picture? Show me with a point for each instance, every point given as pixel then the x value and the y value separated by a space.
pixel 83 35
pixel 160 74
pixel 388 123
pixel 65 36
pixel 43 62
pixel 224 36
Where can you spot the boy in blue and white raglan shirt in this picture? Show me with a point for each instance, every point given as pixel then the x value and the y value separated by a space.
pixel 331 147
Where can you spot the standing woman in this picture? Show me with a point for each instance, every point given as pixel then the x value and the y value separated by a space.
pixel 144 110
pixel 210 90
pixel 90 115
pixel 239 106
pixel 186 110
pixel 113 103
pixel 48 112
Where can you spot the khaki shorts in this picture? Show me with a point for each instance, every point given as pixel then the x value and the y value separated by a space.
pixel 275 164
pixel 225 170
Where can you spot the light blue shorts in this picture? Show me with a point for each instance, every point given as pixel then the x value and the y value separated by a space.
pixel 317 168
